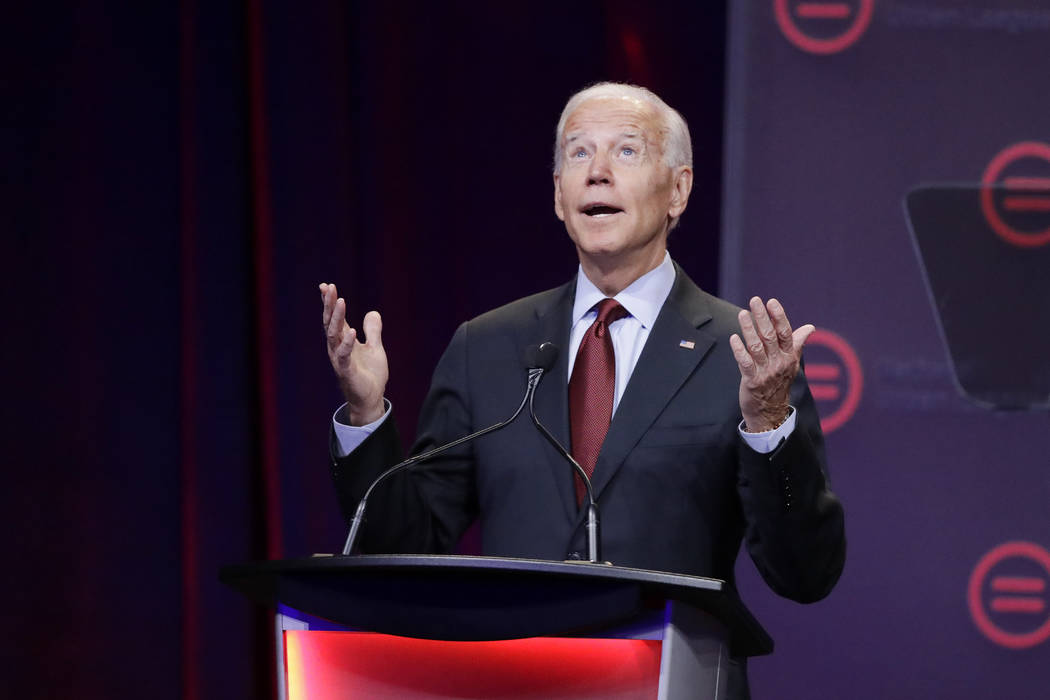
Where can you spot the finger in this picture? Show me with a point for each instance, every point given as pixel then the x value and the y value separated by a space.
pixel 744 361
pixel 328 294
pixel 750 337
pixel 764 325
pixel 337 323
pixel 781 325
pixel 800 336
pixel 345 348
pixel 373 327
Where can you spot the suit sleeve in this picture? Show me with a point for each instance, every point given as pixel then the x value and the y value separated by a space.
pixel 425 508
pixel 795 525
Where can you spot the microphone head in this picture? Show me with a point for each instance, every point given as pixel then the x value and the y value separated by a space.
pixel 541 356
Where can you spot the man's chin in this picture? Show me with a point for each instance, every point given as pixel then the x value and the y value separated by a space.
pixel 599 250
pixel 610 253
pixel 605 258
pixel 598 241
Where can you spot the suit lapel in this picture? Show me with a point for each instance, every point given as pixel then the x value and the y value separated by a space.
pixel 552 394
pixel 661 370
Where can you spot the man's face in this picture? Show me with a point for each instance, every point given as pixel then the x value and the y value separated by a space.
pixel 614 192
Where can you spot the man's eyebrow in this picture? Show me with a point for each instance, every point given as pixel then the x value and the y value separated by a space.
pixel 639 135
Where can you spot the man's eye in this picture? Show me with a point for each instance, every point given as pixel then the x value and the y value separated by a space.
pixel 579 154
pixel 628 151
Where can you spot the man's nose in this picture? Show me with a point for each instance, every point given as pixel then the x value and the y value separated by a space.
pixel 599 172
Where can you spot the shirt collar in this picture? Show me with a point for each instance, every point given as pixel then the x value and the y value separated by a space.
pixel 643 298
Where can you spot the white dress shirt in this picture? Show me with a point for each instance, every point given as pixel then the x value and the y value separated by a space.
pixel 643 300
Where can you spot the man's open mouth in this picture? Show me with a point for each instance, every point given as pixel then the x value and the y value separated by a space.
pixel 600 210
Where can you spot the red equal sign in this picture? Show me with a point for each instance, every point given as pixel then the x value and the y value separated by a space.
pixel 820 376
pixel 823 10
pixel 1017 602
pixel 1036 197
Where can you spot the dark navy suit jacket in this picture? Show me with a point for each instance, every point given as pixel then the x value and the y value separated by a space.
pixel 677 486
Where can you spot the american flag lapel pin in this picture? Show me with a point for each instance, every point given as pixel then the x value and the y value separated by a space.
pixel 687 344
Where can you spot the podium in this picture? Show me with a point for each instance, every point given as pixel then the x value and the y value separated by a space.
pixel 589 626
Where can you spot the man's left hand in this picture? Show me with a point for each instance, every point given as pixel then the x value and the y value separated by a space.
pixel 768 358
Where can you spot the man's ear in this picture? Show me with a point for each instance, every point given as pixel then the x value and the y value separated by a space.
pixel 558 210
pixel 681 186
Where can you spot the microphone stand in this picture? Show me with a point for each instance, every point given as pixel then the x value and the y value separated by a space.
pixel 539 358
pixel 359 514
pixel 594 540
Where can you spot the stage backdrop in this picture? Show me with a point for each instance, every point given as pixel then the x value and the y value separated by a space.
pixel 836 111
pixel 178 177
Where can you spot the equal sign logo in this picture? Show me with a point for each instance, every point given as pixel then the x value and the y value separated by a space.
pixel 835 377
pixel 1008 593
pixel 1015 194
pixel 823 27
pixel 1018 594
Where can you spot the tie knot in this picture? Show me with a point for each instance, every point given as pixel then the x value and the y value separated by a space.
pixel 609 311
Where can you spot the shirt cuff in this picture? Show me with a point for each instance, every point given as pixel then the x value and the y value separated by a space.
pixel 349 437
pixel 766 442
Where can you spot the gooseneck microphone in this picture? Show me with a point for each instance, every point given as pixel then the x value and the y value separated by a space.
pixel 538 359
pixel 548 353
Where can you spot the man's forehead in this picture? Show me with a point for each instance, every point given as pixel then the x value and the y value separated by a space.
pixel 628 116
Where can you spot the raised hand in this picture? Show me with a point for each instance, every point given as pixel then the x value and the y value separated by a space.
pixel 361 368
pixel 768 358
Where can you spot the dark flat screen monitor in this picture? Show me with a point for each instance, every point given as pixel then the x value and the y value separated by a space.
pixel 985 253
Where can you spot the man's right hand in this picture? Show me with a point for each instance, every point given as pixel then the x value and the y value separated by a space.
pixel 361 368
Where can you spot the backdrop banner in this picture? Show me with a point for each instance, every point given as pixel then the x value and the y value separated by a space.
pixel 888 178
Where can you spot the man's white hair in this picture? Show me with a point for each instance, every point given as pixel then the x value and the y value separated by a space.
pixel 674 133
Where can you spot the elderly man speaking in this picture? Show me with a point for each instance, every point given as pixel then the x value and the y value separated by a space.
pixel 691 416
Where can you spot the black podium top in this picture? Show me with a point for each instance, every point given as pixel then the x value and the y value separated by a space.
pixel 465 598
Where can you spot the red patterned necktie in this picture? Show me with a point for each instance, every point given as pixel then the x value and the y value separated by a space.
pixel 591 390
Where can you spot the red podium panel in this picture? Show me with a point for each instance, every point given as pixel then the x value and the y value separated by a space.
pixel 324 665
pixel 493 627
